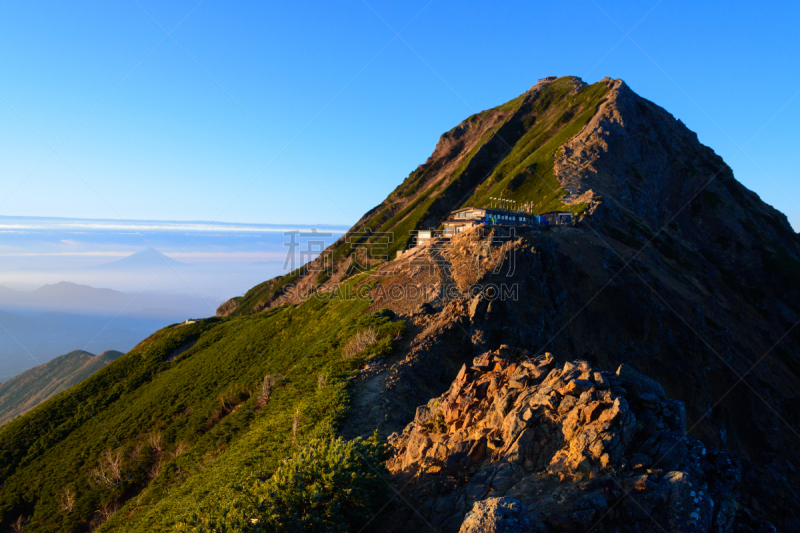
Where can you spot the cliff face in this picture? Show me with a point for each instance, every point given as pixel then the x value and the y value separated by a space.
pixel 653 180
pixel 637 157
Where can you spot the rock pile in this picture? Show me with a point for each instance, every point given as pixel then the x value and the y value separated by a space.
pixel 575 448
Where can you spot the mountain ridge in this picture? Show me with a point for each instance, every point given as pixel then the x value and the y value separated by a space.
pixel 672 268
pixel 642 181
pixel 66 296
pixel 25 391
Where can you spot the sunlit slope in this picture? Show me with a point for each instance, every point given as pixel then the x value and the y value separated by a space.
pixel 507 151
pixel 25 391
pixel 180 415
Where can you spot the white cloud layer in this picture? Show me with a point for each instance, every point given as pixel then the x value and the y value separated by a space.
pixel 22 224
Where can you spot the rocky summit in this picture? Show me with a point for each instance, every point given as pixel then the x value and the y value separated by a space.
pixel 519 443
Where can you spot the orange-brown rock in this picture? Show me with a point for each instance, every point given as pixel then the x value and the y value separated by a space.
pixel 571 445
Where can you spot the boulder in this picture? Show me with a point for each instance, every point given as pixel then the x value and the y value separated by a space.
pixel 644 383
pixel 600 380
pixel 496 515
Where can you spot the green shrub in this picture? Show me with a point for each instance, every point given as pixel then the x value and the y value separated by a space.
pixel 360 342
pixel 436 424
pixel 375 336
pixel 328 486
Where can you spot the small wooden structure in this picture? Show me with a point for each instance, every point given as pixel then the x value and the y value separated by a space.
pixel 424 236
pixel 463 219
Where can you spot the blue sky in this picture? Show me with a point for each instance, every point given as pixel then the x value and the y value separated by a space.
pixel 194 126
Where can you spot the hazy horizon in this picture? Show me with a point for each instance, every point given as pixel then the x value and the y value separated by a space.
pixel 162 271
pixel 217 260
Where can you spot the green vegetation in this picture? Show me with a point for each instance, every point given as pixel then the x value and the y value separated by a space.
pixel 513 158
pixel 328 486
pixel 414 181
pixel 374 336
pixel 436 424
pixel 559 117
pixel 253 299
pixel 402 230
pixel 179 418
pixel 25 391
pixel 528 133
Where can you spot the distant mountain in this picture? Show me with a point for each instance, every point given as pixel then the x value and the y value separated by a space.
pixel 37 325
pixel 74 298
pixel 30 339
pixel 65 290
pixel 7 293
pixel 148 259
pixel 27 390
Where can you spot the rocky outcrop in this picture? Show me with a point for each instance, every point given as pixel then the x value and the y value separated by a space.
pixel 496 515
pixel 561 448
pixel 228 307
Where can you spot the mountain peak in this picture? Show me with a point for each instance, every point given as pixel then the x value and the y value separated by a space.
pixel 612 158
pixel 147 258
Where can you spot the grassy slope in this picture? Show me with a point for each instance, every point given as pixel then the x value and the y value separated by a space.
pixel 23 392
pixel 559 116
pixel 528 131
pixel 537 128
pixel 249 303
pixel 59 443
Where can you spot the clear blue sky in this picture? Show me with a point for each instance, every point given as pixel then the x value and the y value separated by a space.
pixel 178 129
